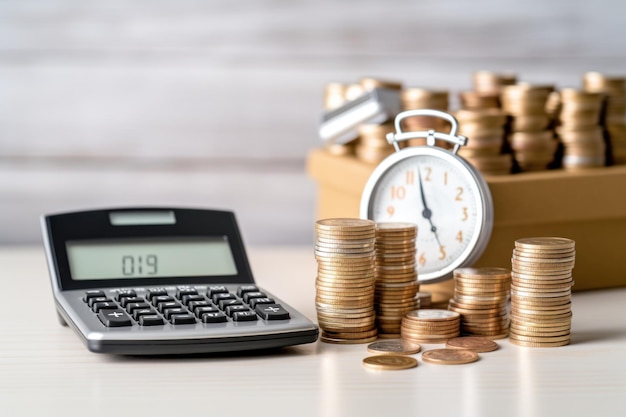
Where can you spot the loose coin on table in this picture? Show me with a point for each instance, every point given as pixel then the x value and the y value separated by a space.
pixel 473 343
pixel 389 362
pixel 450 356
pixel 394 346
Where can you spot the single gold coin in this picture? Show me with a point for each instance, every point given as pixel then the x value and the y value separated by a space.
pixel 544 243
pixel 389 362
pixel 450 356
pixel 394 346
pixel 475 344
pixel 346 224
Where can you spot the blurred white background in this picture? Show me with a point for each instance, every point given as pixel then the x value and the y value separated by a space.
pixel 216 103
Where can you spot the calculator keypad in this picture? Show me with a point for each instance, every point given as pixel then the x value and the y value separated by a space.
pixel 184 306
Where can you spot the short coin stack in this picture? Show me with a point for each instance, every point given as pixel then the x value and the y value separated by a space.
pixel 422 98
pixel 344 250
pixel 480 296
pixel 372 146
pixel 542 279
pixel 430 326
pixel 396 275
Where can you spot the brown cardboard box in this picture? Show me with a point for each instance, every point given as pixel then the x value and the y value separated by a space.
pixel 587 206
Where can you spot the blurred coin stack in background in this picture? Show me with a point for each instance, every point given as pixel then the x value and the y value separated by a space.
pixel 578 129
pixel 486 93
pixel 531 138
pixel 614 121
pixel 480 297
pixel 372 146
pixel 430 325
pixel 414 98
pixel 541 290
pixel 396 276
pixel 485 130
pixel 345 284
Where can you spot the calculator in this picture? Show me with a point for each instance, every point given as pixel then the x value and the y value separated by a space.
pixel 159 281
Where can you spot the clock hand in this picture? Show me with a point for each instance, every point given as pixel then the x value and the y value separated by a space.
pixel 426 213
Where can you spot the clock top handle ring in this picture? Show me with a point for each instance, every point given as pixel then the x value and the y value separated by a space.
pixel 430 135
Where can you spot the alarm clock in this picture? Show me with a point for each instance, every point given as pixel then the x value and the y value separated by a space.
pixel 436 189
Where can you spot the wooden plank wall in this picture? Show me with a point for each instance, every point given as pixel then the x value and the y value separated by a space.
pixel 216 103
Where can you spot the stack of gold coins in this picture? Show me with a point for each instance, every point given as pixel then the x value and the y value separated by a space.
pixel 421 98
pixel 372 146
pixel 345 254
pixel 430 325
pixel 579 129
pixel 541 285
pixel 491 83
pixel 480 297
pixel 614 88
pixel 485 130
pixel 396 275
pixel 531 139
pixel 474 100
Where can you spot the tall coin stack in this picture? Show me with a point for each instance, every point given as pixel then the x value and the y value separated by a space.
pixel 541 289
pixel 614 120
pixel 372 146
pixel 396 276
pixel 531 138
pixel 579 129
pixel 480 297
pixel 421 98
pixel 485 130
pixel 345 254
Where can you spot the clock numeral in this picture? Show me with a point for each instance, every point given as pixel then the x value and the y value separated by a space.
pixel 465 215
pixel 459 193
pixel 391 210
pixel 398 192
pixel 442 252
pixel 422 259
pixel 459 236
pixel 445 178
pixel 410 177
pixel 429 171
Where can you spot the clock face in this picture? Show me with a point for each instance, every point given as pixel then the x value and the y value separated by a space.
pixel 443 197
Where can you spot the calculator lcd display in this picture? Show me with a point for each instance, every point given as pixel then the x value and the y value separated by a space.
pixel 150 258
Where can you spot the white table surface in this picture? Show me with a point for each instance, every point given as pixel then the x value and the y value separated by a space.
pixel 46 371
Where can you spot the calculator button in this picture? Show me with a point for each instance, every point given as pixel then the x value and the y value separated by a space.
pixel 258 301
pixel 186 299
pixel 193 304
pixel 93 294
pixel 225 303
pixel 162 299
pixel 182 319
pixel 246 288
pixel 244 316
pixel 171 311
pixel 114 318
pixel 143 312
pixel 167 305
pixel 214 317
pixel 103 305
pixel 223 296
pixel 156 292
pixel 150 320
pixel 254 294
pixel 272 312
pixel 128 300
pixel 199 311
pixel 130 307
pixel 230 310
pixel 181 292
pixel 216 289
pixel 92 301
pixel 126 294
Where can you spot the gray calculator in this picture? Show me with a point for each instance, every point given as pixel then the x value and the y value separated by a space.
pixel 151 281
